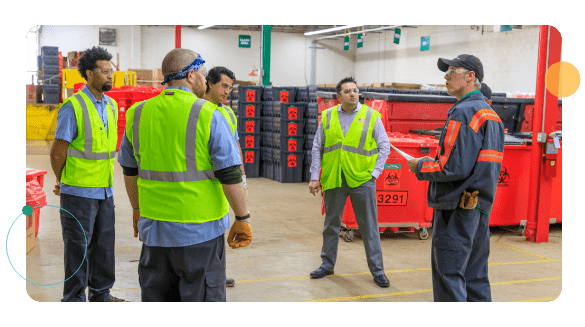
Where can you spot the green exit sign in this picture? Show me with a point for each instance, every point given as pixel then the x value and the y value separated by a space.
pixel 245 41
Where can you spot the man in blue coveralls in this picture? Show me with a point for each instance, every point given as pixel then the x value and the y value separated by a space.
pixel 82 158
pixel 181 168
pixel 463 182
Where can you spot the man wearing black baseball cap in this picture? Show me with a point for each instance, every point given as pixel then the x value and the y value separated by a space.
pixel 463 182
pixel 487 93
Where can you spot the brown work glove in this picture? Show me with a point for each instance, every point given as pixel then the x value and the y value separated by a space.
pixel 57 189
pixel 240 234
pixel 135 217
pixel 468 200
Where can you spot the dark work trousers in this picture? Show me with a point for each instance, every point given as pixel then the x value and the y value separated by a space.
pixel 363 200
pixel 97 272
pixel 459 256
pixel 194 273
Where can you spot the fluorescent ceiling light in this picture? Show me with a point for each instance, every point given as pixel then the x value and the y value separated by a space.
pixel 202 27
pixel 331 29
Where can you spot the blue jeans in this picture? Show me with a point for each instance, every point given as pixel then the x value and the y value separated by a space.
pixel 97 272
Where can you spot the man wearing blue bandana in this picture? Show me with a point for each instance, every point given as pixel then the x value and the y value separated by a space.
pixel 182 173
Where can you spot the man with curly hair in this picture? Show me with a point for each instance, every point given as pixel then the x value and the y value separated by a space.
pixel 82 158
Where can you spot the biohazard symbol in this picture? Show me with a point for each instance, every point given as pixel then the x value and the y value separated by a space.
pixel 250 126
pixel 249 141
pixel 250 95
pixel 392 179
pixel 292 129
pixel 292 145
pixel 292 161
pixel 250 111
pixel 292 113
pixel 504 177
pixel 283 96
pixel 249 157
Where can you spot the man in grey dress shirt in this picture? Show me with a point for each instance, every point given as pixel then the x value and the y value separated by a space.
pixel 350 170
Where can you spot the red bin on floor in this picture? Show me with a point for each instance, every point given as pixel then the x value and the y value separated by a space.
pixel 35 196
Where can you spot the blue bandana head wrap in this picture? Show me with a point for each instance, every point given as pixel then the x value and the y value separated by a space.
pixel 195 65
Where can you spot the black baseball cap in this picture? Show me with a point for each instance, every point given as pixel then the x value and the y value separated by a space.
pixel 486 91
pixel 466 61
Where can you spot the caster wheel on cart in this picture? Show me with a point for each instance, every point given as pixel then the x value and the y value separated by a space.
pixel 423 234
pixel 348 237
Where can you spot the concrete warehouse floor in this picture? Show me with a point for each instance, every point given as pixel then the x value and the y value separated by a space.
pixel 287 225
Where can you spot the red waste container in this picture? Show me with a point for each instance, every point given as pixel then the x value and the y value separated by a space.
pixel 401 197
pixel 325 100
pixel 35 196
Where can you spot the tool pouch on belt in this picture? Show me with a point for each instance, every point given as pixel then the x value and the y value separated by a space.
pixel 468 200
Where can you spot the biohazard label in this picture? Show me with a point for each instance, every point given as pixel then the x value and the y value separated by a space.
pixel 292 129
pixel 250 95
pixel 249 141
pixel 504 177
pixel 283 96
pixel 292 113
pixel 249 157
pixel 391 179
pixel 292 160
pixel 391 198
pixel 292 144
pixel 250 126
pixel 250 111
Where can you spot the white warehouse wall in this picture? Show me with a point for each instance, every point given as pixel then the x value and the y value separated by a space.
pixel 509 59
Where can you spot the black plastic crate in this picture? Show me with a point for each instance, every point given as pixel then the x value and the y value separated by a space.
pixel 284 93
pixel 267 124
pixel 50 70
pixel 309 138
pixel 288 143
pixel 289 127
pixel 267 163
pixel 307 167
pixel 311 125
pixel 234 93
pixel 252 161
pixel 250 109
pixel 267 108
pixel 51 79
pixel 250 93
pixel 50 60
pixel 51 94
pixel 312 110
pixel 288 166
pixel 250 140
pixel 267 94
pixel 312 88
pixel 312 97
pixel 49 51
pixel 266 140
pixel 293 111
pixel 249 125
pixel 234 104
pixel 276 105
pixel 302 94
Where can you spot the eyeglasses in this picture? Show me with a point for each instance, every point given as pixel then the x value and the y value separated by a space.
pixel 451 71
pixel 104 71
pixel 226 86
pixel 347 91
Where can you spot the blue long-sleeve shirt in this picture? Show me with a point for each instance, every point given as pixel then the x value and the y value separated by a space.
pixel 67 130
pixel 224 153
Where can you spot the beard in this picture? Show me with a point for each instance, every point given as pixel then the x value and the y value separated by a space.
pixel 106 87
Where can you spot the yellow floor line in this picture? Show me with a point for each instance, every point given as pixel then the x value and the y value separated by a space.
pixel 424 291
pixel 509 247
pixel 544 299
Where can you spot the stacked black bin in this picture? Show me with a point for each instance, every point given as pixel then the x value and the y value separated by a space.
pixel 249 121
pixel 311 115
pixel 49 67
pixel 266 129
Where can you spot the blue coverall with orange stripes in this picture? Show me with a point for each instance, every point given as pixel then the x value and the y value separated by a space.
pixel 469 158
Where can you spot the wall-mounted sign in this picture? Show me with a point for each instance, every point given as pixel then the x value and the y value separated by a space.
pixel 397 32
pixel 360 40
pixel 107 36
pixel 425 43
pixel 245 41
pixel 346 43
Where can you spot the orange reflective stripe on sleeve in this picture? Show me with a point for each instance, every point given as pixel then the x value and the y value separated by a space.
pixel 490 155
pixel 481 116
pixel 450 137
pixel 430 167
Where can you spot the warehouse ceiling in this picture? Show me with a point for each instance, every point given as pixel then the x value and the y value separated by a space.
pixel 281 28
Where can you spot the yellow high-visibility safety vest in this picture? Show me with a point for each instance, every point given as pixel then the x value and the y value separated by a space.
pixel 354 153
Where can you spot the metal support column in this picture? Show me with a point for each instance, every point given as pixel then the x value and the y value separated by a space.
pixel 265 67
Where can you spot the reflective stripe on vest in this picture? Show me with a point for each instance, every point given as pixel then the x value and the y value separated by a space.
pixel 87 145
pixel 360 149
pixel 192 174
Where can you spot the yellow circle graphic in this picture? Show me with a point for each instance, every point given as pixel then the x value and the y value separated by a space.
pixel 562 79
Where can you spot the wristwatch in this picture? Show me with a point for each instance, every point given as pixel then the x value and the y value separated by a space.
pixel 243 217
